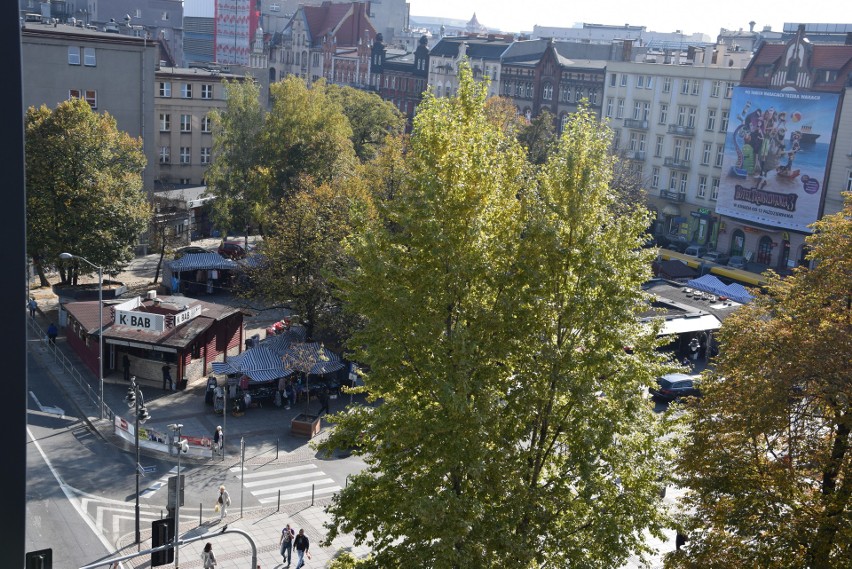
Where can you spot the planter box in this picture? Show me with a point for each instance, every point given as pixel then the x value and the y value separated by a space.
pixel 305 425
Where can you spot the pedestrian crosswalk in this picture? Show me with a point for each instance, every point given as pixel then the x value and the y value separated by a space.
pixel 288 484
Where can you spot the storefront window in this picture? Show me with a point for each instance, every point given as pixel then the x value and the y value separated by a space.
pixel 737 243
pixel 764 250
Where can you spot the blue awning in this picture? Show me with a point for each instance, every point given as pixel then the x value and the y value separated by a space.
pixel 201 262
pixel 711 284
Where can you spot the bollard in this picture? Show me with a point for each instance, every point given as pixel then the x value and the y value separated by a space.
pixel 313 487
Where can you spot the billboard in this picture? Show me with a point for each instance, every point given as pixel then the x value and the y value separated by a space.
pixel 236 21
pixel 776 157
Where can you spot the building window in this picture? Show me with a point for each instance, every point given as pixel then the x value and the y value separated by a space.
pixel 664 113
pixel 624 79
pixel 702 186
pixel 720 154
pixel 92 98
pixel 714 90
pixel 684 86
pixel 186 91
pixel 714 190
pixel 205 155
pixel 687 150
pixel 609 103
pixel 206 124
pixel 667 85
pixel 634 142
pixel 164 16
pixel 165 155
pixel 186 123
pixel 723 125
pixel 672 181
pixel 658 147
pixel 690 119
pixel 849 181
pixel 165 122
pixel 729 89
pixel 616 141
pixel 655 177
pixel 206 91
pixel 678 148
pixel 619 111
pixel 563 123
pixel 711 119
pixel 696 87
pixel 684 177
pixel 705 154
pixel 612 79
pixel 75 94
pixel 637 110
pixel 89 57
pixel 649 82
pixel 640 81
pixel 166 89
pixel 73 55
pixel 185 154
pixel 547 92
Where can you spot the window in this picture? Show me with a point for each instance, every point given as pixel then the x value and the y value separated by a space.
pixel 720 154
pixel 164 16
pixel 849 181
pixel 649 82
pixel 696 87
pixel 563 123
pixel 684 87
pixel 658 147
pixel 684 177
pixel 609 103
pixel 186 91
pixel 624 79
pixel 646 111
pixel 73 55
pixel 723 126
pixel 166 89
pixel 714 192
pixel 702 186
pixel 705 154
pixel 640 81
pixel 678 148
pixel 206 124
pixel 186 123
pixel 165 122
pixel 75 94
pixel 89 57
pixel 612 78
pixel 616 142
pixel 673 181
pixel 206 91
pixel 687 150
pixel 729 89
pixel 637 110
pixel 642 140
pixel 681 116
pixel 165 155
pixel 547 92
pixel 634 142
pixel 655 177
pixel 92 98
pixel 690 119
pixel 185 154
pixel 711 119
pixel 664 113
pixel 619 112
pixel 667 85
pixel 714 90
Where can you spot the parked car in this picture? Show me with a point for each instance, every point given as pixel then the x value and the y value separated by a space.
pixel 737 262
pixel 673 386
pixel 695 250
pixel 232 250
pixel 675 242
pixel 716 257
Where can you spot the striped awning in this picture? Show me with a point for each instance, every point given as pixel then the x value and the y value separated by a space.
pixel 281 342
pixel 202 262
pixel 259 364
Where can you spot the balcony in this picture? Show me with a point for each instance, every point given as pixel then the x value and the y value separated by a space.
pixel 672 196
pixel 670 162
pixel 681 130
pixel 635 154
pixel 635 124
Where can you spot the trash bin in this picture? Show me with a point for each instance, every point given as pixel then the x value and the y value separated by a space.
pixel 182 383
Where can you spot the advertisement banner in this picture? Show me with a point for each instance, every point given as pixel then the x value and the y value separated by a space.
pixel 776 156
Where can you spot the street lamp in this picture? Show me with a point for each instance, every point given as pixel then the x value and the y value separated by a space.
pixel 181 447
pixel 134 399
pixel 68 256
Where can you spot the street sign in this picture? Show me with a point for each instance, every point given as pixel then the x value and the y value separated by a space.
pixel 149 469
pixel 172 501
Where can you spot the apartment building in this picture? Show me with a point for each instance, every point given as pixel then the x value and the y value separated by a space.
pixel 400 76
pixel 183 101
pixel 483 52
pixel 114 73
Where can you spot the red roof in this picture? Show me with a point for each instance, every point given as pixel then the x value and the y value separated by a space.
pixel 346 23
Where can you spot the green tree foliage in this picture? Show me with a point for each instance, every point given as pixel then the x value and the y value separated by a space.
pixel 769 466
pixel 306 134
pixel 514 428
pixel 84 189
pixel 539 137
pixel 237 176
pixel 370 117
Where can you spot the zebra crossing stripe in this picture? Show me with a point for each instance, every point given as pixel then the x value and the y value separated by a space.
pixel 268 473
pixel 283 479
pixel 285 490
pixel 307 494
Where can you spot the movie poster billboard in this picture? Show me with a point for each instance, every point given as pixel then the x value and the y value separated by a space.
pixel 232 32
pixel 776 157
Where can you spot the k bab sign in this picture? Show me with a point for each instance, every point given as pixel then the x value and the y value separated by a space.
pixel 140 320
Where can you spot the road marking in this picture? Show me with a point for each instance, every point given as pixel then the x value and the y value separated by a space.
pixel 47 408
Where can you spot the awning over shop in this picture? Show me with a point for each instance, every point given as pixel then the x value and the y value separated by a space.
pixel 697 323
pixel 671 209
pixel 202 262
pixel 711 284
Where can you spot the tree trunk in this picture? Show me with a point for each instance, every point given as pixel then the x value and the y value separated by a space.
pixel 160 260
pixel 42 278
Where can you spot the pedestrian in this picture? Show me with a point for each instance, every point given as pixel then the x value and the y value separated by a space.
pixel 167 377
pixel 125 363
pixel 282 392
pixel 291 395
pixel 223 502
pixel 286 544
pixel 208 560
pixel 302 545
pixel 323 399
pixel 694 346
pixel 32 305
pixel 52 332
pixel 218 440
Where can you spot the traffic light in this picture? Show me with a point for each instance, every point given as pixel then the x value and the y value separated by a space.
pixel 162 532
pixel 41 559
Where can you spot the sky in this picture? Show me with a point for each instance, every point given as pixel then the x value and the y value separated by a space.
pixel 655 15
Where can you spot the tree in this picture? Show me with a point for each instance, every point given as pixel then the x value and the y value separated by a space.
pixel 84 189
pixel 513 428
pixel 539 137
pixel 306 135
pixel 768 467
pixel 237 176
pixel 370 117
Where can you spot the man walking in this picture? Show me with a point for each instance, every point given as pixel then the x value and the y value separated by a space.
pixel 302 545
pixel 323 399
pixel 218 440
pixel 286 544
pixel 167 377
pixel 52 333
pixel 32 305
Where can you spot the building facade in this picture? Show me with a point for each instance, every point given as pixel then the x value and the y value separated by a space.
pixel 400 78
pixel 484 54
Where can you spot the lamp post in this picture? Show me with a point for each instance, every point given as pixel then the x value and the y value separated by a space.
pixel 67 256
pixel 133 398
pixel 181 447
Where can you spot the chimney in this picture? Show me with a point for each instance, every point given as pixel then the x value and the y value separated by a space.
pixel 751 26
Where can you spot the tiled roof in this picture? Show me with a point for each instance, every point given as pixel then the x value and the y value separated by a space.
pixel 347 23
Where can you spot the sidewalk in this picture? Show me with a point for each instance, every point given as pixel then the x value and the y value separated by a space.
pixel 265 433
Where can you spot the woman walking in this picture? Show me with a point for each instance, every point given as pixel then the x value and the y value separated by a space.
pixel 207 558
pixel 223 502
